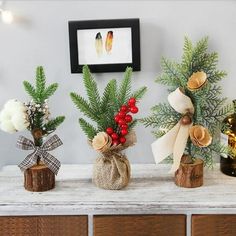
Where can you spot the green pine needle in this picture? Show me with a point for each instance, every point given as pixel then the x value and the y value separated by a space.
pixel 83 106
pixel 54 123
pixel 91 89
pixel 138 94
pixel 30 90
pixel 88 129
pixel 49 91
pixel 125 87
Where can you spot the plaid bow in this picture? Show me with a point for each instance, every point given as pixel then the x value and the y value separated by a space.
pixel 40 152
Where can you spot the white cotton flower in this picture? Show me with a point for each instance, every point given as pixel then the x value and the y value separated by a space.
pixel 13 105
pixel 19 122
pixel 7 126
pixel 13 117
pixel 5 115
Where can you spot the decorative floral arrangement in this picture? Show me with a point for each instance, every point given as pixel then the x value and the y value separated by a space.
pixel 190 122
pixel 116 135
pixel 35 117
pixel 113 114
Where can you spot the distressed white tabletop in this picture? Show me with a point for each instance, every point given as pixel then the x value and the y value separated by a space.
pixel 151 191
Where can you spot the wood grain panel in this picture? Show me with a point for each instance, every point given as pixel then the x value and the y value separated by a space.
pixel 140 225
pixel 214 225
pixel 44 226
pixel 18 226
pixel 63 226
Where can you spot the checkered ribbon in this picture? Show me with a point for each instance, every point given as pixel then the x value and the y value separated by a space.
pixel 40 152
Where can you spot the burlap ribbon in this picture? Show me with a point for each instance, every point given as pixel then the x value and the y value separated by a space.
pixel 174 141
pixel 40 153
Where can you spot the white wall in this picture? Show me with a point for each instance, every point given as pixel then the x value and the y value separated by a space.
pixel 40 37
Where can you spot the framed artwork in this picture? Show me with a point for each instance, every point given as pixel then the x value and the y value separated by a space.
pixel 104 45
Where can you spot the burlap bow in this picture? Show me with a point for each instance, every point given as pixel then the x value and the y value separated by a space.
pixel 174 141
pixel 40 153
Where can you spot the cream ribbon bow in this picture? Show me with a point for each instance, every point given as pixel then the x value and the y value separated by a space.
pixel 176 139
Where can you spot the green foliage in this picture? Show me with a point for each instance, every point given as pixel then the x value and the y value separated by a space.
pixel 125 87
pixel 210 108
pixel 102 109
pixel 84 106
pixel 40 93
pixel 139 93
pixel 29 89
pixel 88 129
pixel 91 89
pixel 51 125
pixel 164 117
pixel 171 75
pixel 38 116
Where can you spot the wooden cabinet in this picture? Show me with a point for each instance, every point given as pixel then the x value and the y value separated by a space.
pixel 18 226
pixel 140 225
pixel 214 225
pixel 44 226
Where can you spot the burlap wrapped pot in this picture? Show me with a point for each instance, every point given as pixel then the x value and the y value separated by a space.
pixel 111 172
pixel 112 169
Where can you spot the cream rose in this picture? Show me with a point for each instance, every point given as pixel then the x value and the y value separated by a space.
pixel 200 136
pixel 197 80
pixel 101 141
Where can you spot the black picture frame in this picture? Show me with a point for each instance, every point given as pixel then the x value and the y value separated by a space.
pixel 74 26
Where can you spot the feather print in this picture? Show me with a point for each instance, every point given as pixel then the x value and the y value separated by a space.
pixel 109 41
pixel 98 44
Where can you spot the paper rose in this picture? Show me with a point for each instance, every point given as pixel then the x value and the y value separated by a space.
pixel 197 80
pixel 200 136
pixel 101 141
pixel 13 117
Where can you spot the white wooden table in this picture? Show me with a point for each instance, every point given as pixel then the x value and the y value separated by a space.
pixel 151 191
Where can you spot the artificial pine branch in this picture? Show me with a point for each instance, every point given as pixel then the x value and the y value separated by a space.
pixel 40 83
pixel 92 90
pixel 49 91
pixel 88 129
pixel 38 108
pixel 125 87
pixel 138 94
pixel 107 94
pixel 30 90
pixel 83 106
pixel 51 125
pixel 102 109
pixel 171 71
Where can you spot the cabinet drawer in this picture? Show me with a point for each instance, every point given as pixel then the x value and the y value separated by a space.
pixel 18 226
pixel 140 225
pixel 214 225
pixel 44 226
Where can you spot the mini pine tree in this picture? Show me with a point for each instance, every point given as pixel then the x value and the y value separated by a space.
pixel 209 106
pixel 38 113
pixel 101 110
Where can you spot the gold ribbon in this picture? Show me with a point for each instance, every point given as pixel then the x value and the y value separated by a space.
pixel 175 141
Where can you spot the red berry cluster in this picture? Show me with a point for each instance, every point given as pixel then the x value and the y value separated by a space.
pixel 122 118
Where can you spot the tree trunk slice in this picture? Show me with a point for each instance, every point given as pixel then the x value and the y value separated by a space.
pixel 39 178
pixel 189 175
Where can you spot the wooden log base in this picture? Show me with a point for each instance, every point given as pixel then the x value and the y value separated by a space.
pixel 189 174
pixel 39 178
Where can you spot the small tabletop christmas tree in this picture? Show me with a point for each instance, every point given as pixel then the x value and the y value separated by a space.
pixel 35 116
pixel 38 115
pixel 195 108
pixel 112 114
